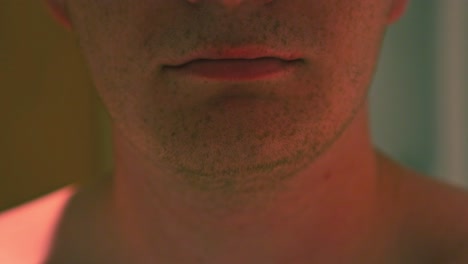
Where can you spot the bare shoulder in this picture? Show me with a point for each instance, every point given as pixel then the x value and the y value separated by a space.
pixel 437 212
pixel 26 230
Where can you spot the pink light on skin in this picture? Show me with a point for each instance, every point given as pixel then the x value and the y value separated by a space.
pixel 27 230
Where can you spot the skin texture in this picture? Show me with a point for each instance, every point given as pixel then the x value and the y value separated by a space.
pixel 277 171
pixel 230 138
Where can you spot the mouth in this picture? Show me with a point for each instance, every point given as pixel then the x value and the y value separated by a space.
pixel 244 63
pixel 236 69
pixel 250 52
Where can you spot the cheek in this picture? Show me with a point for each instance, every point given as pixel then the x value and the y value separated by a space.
pixel 104 37
pixel 356 39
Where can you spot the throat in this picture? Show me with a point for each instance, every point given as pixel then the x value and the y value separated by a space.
pixel 305 219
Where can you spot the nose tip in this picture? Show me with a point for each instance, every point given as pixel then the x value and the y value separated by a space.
pixel 229 3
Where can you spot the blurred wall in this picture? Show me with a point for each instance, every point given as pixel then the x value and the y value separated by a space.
pixel 452 88
pixel 47 106
pixel 419 113
pixel 403 105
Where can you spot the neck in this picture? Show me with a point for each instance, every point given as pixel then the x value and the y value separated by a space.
pixel 330 210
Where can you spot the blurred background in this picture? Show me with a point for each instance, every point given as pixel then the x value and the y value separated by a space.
pixel 55 132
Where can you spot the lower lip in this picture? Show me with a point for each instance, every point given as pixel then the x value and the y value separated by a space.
pixel 237 69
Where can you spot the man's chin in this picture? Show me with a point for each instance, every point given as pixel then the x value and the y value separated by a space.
pixel 238 168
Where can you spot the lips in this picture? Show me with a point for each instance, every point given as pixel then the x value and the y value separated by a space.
pixel 245 63
pixel 241 53
pixel 236 69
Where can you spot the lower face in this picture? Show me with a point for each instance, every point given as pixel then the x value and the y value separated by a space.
pixel 224 133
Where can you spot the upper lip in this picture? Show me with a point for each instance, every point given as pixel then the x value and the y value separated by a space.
pixel 244 52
